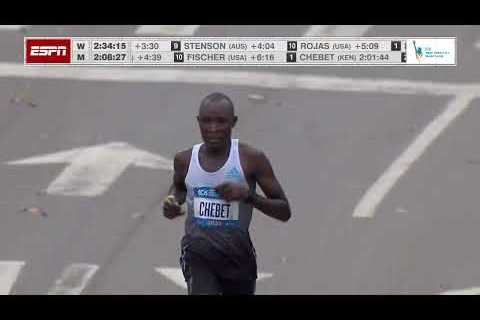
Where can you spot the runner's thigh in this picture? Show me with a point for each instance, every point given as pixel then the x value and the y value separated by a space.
pixel 201 278
pixel 238 287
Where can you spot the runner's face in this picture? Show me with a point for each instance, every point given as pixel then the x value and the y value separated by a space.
pixel 216 123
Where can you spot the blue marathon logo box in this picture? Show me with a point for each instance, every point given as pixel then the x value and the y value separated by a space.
pixel 206 192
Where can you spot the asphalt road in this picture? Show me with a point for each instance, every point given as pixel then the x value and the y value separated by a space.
pixel 328 147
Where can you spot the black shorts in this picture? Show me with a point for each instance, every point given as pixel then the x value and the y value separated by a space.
pixel 203 278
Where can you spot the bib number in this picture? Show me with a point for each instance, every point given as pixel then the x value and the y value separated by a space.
pixel 210 210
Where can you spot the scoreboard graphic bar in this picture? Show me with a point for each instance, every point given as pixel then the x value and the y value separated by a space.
pixel 240 51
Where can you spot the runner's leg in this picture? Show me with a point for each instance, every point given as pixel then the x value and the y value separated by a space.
pixel 238 287
pixel 200 277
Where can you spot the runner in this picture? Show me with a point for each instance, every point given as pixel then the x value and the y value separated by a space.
pixel 217 179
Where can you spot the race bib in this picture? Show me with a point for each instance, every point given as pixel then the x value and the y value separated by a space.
pixel 210 210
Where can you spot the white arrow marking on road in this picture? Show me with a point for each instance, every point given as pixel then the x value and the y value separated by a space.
pixel 173 274
pixel 337 30
pixel 176 276
pixel 73 279
pixel 174 30
pixel 469 291
pixel 93 169
pixel 9 271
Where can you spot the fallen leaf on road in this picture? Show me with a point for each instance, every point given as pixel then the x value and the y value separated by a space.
pixel 35 211
pixel 18 101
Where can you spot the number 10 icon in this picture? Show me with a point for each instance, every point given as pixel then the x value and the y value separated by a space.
pixel 178 57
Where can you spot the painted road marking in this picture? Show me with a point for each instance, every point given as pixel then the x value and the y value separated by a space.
pixel 13 27
pixel 241 78
pixel 9 271
pixel 173 274
pixel 336 30
pixel 74 279
pixel 468 291
pixel 374 196
pixel 174 30
pixel 176 276
pixel 92 170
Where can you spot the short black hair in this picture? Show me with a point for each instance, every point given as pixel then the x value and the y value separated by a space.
pixel 218 98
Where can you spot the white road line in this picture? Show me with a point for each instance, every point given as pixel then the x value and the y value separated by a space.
pixel 12 27
pixel 264 275
pixel 374 196
pixel 337 30
pixel 174 30
pixel 469 291
pixel 176 276
pixel 241 78
pixel 9 271
pixel 73 279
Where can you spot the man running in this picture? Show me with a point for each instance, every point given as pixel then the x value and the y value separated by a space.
pixel 218 180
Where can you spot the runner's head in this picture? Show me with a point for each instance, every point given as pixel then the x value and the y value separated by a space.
pixel 216 118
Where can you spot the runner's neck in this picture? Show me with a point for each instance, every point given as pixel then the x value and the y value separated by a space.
pixel 217 152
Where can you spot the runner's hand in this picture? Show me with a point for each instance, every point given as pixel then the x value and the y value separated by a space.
pixel 232 191
pixel 171 208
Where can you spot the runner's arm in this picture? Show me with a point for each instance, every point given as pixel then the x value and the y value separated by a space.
pixel 276 204
pixel 178 188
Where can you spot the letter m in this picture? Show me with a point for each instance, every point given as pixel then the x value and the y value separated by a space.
pixel 80 57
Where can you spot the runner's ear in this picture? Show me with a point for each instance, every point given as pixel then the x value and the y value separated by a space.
pixel 235 118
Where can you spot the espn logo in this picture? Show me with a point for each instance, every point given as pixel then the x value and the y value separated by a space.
pixel 46 51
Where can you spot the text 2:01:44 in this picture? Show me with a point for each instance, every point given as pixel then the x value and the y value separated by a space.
pixel 374 57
